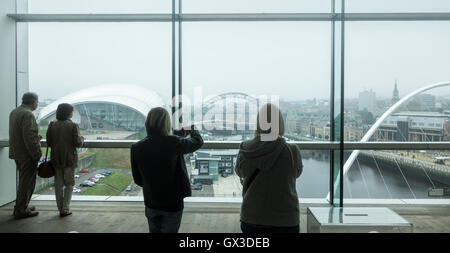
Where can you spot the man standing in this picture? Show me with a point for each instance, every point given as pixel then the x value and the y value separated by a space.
pixel 25 149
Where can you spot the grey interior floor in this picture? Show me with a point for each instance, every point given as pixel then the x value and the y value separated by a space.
pixel 128 217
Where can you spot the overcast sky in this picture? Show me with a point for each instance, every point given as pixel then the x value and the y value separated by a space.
pixel 290 59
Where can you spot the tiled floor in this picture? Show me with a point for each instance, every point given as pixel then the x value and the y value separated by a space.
pixel 128 217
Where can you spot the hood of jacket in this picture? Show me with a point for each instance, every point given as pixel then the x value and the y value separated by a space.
pixel 262 154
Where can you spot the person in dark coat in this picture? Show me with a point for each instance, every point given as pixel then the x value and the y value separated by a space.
pixel 157 164
pixel 25 149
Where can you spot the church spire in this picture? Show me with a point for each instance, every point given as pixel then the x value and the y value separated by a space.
pixel 395 96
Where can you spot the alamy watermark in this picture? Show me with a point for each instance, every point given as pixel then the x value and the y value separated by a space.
pixel 232 112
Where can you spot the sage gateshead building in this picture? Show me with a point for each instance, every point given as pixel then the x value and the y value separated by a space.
pixel 385 168
pixel 110 107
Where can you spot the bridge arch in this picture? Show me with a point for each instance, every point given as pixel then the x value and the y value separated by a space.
pixel 386 114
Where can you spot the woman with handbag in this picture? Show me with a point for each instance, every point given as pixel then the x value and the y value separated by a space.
pixel 63 137
pixel 269 167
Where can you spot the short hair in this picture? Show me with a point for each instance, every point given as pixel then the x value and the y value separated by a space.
pixel 267 108
pixel 29 98
pixel 158 122
pixel 63 112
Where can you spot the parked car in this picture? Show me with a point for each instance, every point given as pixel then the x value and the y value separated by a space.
pixel 77 176
pixel 87 184
pixel 99 176
pixel 106 173
pixel 128 188
pixel 84 171
pixel 94 180
pixel 76 190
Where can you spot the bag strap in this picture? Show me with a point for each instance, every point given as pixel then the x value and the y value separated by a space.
pixel 46 151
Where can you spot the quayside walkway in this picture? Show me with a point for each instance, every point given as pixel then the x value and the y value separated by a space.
pixel 91 216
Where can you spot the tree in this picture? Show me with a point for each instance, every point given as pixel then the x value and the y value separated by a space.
pixel 366 117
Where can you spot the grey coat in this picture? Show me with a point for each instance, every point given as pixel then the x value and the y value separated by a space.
pixel 63 137
pixel 24 143
pixel 271 199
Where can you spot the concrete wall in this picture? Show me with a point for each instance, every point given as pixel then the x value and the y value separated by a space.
pixel 7 97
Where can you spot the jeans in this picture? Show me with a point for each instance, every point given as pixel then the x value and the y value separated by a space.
pixel 247 228
pixel 162 221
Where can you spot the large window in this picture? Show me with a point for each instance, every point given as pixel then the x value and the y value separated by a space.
pixel 227 58
pixel 234 66
pixel 386 61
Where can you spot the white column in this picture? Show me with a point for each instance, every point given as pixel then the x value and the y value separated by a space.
pixel 22 52
pixel 7 97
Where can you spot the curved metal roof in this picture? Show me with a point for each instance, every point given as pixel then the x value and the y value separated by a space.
pixel 133 96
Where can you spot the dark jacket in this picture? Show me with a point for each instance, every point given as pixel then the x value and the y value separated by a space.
pixel 24 143
pixel 157 164
pixel 271 199
pixel 63 137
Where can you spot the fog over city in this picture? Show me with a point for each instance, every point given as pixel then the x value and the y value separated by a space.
pixel 289 59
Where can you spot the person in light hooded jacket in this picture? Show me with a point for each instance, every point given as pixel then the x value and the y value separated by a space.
pixel 268 168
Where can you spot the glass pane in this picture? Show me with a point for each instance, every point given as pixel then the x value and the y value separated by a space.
pixel 113 74
pixel 229 68
pixel 399 174
pixel 100 172
pixel 256 6
pixel 386 61
pixel 99 6
pixel 212 174
pixel 397 6
pixel 314 182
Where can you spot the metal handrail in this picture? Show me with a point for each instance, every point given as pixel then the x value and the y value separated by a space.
pixel 252 17
pixel 305 145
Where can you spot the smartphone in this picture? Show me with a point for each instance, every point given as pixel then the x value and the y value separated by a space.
pixel 183 132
